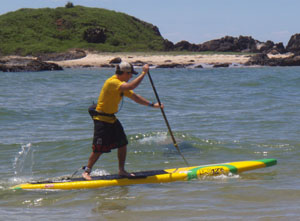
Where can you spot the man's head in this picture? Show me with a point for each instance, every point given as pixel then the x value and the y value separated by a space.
pixel 125 67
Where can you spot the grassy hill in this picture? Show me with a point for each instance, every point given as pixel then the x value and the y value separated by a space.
pixel 47 30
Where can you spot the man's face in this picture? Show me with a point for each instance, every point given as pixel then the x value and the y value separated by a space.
pixel 128 76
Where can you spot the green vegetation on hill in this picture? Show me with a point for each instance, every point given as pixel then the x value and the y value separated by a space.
pixel 37 31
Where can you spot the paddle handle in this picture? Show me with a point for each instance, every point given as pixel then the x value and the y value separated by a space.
pixel 166 120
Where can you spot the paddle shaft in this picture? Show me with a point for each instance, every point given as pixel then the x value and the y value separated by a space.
pixel 166 120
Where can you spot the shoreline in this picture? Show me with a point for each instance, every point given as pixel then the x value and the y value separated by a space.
pixel 158 60
pixel 103 60
pixel 138 59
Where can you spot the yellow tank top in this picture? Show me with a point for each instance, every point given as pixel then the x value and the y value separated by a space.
pixel 109 99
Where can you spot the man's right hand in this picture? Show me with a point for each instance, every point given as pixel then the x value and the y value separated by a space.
pixel 146 68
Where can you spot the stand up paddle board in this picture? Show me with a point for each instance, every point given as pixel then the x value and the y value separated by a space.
pixel 154 176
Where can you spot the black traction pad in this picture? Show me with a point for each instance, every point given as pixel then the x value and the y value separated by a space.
pixel 138 175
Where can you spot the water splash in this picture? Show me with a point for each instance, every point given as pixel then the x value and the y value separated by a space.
pixel 149 138
pixel 23 162
pixel 157 138
pixel 221 177
pixel 228 176
pixel 99 172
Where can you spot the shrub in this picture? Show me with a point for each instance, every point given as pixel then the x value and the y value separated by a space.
pixel 69 5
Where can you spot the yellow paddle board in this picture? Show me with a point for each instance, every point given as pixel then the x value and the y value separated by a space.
pixel 154 176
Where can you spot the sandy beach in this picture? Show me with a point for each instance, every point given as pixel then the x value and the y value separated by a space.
pixel 103 59
pixel 158 60
pixel 98 60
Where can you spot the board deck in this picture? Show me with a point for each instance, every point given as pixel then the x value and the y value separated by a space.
pixel 153 176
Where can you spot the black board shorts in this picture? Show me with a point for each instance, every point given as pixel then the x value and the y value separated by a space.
pixel 108 136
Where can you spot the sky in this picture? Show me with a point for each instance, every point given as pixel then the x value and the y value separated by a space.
pixel 197 21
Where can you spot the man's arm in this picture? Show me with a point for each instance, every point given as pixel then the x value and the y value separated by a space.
pixel 140 100
pixel 133 84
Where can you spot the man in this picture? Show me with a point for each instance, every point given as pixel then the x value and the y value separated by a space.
pixel 108 131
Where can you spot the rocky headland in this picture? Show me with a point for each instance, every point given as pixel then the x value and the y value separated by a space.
pixel 252 53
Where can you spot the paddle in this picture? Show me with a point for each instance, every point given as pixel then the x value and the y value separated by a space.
pixel 165 117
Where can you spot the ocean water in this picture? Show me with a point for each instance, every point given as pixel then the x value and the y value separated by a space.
pixel 217 115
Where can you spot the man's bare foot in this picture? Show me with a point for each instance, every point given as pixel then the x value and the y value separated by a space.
pixel 124 173
pixel 86 176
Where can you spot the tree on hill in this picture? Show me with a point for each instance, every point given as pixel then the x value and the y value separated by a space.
pixel 69 5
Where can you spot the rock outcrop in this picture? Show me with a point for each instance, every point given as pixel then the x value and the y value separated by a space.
pixel 168 45
pixel 258 59
pixel 172 65
pixel 116 60
pixel 69 55
pixel 26 64
pixel 222 65
pixel 186 46
pixel 95 35
pixel 264 60
pixel 230 44
pixel 294 44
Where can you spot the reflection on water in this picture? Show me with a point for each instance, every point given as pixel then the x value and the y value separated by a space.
pixel 113 201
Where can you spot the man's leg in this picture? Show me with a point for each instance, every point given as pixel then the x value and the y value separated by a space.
pixel 122 151
pixel 92 160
